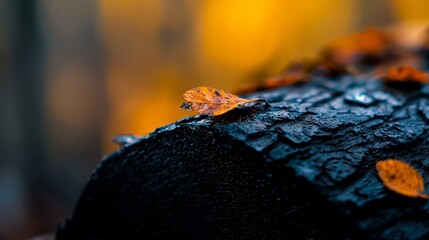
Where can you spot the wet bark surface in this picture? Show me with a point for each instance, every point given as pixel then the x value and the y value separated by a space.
pixel 301 168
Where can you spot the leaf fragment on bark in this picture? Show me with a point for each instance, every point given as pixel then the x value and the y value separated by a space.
pixel 401 178
pixel 212 102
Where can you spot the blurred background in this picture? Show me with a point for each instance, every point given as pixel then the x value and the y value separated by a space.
pixel 73 74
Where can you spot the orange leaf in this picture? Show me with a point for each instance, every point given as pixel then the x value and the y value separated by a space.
pixel 212 102
pixel 406 74
pixel 401 178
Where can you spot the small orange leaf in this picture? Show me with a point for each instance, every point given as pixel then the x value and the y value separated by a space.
pixel 406 74
pixel 212 102
pixel 401 178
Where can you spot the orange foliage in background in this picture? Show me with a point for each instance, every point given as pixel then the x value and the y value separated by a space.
pixel 155 50
pixel 368 44
pixel 406 74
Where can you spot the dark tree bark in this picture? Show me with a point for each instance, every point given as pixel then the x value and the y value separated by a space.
pixel 301 168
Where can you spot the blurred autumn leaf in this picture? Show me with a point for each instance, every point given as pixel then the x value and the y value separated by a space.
pixel 406 74
pixel 401 178
pixel 370 44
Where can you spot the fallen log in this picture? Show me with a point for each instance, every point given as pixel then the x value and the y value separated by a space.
pixel 301 168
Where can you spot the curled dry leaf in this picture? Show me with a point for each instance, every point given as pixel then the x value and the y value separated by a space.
pixel 213 102
pixel 401 178
pixel 406 74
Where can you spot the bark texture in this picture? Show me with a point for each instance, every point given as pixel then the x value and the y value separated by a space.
pixel 301 168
